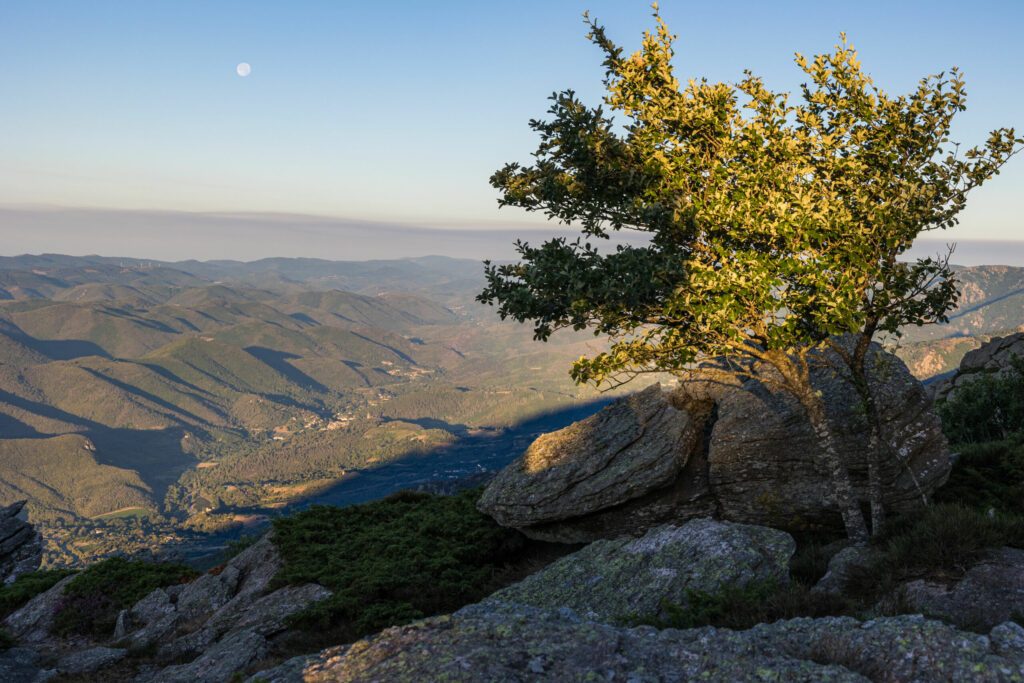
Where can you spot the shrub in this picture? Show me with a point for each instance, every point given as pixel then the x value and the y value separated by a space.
pixel 990 408
pixel 944 540
pixel 392 561
pixel 746 606
pixel 26 587
pixel 988 475
pixel 94 598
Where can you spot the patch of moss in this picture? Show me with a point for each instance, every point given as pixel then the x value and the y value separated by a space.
pixel 26 587
pixel 395 560
pixel 94 598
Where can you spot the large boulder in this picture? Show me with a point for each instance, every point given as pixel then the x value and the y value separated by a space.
pixel 764 464
pixel 738 451
pixel 633 447
pixel 993 357
pixel 617 580
pixel 520 643
pixel 21 546
pixel 990 593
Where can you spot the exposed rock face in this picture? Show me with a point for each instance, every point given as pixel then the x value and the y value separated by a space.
pixel 32 622
pixel 614 581
pixel 91 660
pixel 990 593
pixel 992 357
pixel 634 446
pixel 764 463
pixel 23 665
pixel 741 452
pixel 201 632
pixel 219 623
pixel 21 547
pixel 843 566
pixel 519 643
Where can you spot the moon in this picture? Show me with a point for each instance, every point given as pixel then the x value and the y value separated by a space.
pixel 243 69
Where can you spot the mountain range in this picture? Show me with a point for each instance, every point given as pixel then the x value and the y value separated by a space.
pixel 146 400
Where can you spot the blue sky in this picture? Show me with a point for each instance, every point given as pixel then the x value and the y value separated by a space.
pixel 399 111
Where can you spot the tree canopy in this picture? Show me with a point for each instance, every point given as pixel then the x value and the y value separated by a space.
pixel 770 224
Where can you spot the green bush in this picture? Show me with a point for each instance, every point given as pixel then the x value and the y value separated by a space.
pixel 988 475
pixel 392 561
pixel 944 540
pixel 989 408
pixel 26 587
pixel 93 599
pixel 744 607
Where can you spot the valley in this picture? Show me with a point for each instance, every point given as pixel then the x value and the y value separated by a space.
pixel 145 407
pixel 167 407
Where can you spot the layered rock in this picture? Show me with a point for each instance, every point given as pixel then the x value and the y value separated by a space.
pixel 21 546
pixel 634 447
pixel 738 451
pixel 764 464
pixel 200 632
pixel 219 623
pixel 618 580
pixel 995 356
pixel 511 642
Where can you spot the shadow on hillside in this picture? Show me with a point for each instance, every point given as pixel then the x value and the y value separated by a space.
pixel 157 455
pixel 473 453
pixel 68 349
pixel 278 360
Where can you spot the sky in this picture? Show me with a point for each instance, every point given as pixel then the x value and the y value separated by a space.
pixel 118 114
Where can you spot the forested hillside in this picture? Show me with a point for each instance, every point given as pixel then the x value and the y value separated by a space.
pixel 191 397
pixel 145 403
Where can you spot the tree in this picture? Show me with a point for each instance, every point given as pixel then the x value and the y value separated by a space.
pixel 893 174
pixel 754 252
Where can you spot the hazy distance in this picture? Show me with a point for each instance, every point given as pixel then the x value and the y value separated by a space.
pixel 179 235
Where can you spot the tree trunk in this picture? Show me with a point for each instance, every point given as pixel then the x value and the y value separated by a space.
pixel 846 499
pixel 875 470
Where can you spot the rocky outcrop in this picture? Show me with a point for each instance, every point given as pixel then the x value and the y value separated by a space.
pixel 990 593
pixel 742 452
pixel 995 356
pixel 21 546
pixel 23 665
pixel 32 622
pixel 634 446
pixel 764 464
pixel 90 660
pixel 219 623
pixel 519 643
pixel 618 580
pixel 204 631
pixel 844 567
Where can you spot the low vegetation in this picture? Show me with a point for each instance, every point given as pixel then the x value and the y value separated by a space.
pixel 989 408
pixel 26 587
pixel 988 475
pixel 741 607
pixel 395 560
pixel 94 598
